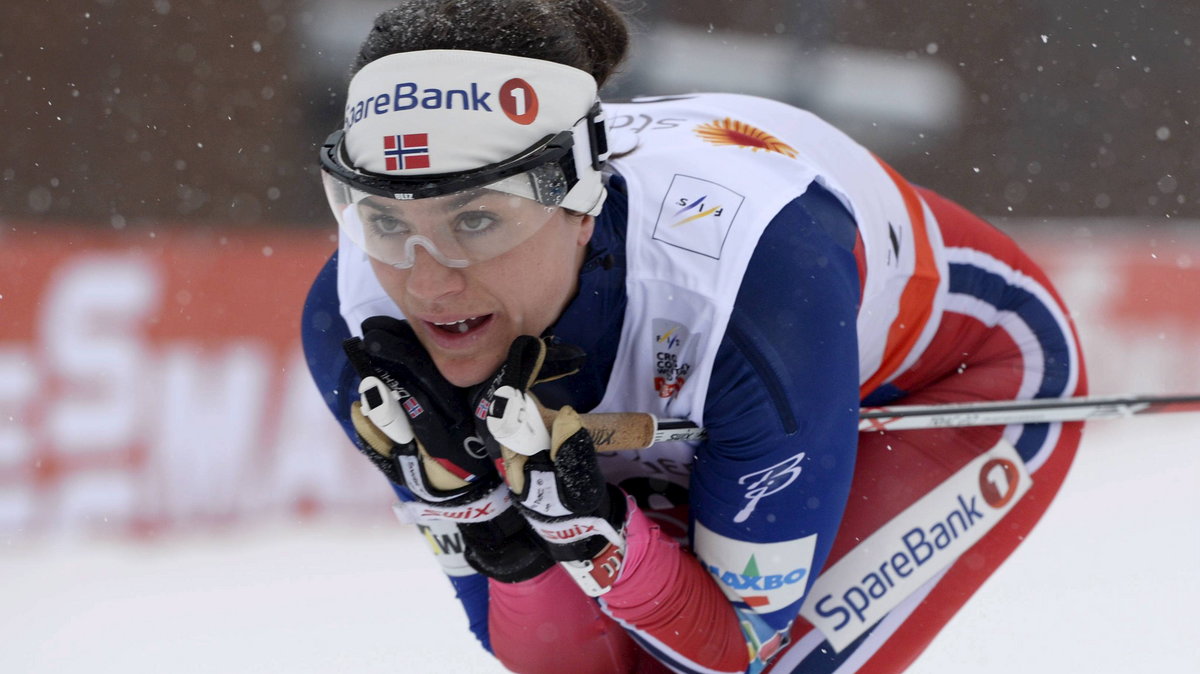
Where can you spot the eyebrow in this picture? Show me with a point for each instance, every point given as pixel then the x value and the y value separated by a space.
pixel 453 202
pixel 461 199
pixel 373 205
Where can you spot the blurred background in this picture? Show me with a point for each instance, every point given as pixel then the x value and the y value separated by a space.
pixel 171 485
pixel 186 113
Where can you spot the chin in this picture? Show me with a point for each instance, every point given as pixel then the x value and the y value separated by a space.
pixel 467 373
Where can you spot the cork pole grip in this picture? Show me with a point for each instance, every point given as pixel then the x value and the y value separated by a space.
pixel 615 431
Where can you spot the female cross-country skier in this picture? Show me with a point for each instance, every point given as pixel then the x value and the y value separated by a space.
pixel 514 252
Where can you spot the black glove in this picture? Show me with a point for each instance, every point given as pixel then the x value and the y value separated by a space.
pixel 553 472
pixel 418 430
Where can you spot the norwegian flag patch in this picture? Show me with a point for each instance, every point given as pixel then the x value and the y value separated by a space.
pixel 406 151
pixel 481 410
pixel 413 408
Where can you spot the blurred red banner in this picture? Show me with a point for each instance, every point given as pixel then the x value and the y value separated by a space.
pixel 154 381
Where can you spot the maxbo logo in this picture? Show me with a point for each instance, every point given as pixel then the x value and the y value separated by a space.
pixel 765 576
pixel 751 581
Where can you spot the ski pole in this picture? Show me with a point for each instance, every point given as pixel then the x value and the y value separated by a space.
pixel 615 431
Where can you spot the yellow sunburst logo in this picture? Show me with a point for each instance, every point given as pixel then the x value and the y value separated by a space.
pixel 732 132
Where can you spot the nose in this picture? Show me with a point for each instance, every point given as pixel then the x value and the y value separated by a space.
pixel 429 279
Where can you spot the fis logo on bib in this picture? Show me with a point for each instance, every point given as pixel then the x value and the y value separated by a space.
pixel 673 347
pixel 690 211
pixel 697 215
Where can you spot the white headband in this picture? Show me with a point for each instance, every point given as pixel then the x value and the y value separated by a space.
pixel 442 111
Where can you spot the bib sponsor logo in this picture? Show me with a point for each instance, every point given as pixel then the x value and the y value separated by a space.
pixel 447 545
pixel 892 563
pixel 672 356
pixel 765 576
pixel 729 131
pixel 751 580
pixel 697 215
pixel 442 540
pixel 641 122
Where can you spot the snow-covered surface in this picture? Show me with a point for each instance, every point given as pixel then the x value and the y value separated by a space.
pixel 1106 583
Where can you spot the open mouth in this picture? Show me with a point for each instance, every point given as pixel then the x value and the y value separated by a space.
pixel 462 327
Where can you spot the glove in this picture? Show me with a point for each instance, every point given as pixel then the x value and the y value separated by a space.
pixel 552 471
pixel 417 429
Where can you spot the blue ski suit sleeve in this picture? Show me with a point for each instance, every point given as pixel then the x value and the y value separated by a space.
pixel 782 406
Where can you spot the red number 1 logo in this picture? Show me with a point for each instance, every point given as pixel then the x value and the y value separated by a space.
pixel 519 101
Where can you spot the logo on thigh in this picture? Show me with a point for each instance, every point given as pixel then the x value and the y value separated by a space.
pixel 849 597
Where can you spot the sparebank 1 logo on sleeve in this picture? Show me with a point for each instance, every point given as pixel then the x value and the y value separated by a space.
pixel 673 351
pixel 696 215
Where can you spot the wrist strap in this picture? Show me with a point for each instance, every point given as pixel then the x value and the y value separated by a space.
pixel 596 576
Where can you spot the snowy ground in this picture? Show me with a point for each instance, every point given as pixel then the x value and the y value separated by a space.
pixel 1106 583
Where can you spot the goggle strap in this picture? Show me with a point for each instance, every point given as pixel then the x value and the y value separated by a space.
pixel 597 136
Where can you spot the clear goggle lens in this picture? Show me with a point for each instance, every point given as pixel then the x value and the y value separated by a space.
pixel 457 229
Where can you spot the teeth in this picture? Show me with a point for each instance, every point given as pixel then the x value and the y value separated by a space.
pixel 460 326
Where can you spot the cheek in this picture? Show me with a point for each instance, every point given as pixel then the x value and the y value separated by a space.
pixel 548 276
pixel 390 278
pixel 386 273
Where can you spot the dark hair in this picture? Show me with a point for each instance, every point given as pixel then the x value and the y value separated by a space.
pixel 590 35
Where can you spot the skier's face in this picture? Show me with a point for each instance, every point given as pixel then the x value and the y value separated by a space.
pixel 466 318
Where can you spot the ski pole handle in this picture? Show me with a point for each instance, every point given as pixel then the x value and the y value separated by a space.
pixel 616 431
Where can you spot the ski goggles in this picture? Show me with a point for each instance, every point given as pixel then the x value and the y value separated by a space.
pixel 464 154
pixel 460 218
